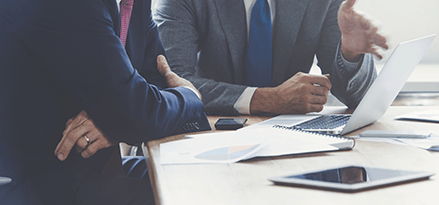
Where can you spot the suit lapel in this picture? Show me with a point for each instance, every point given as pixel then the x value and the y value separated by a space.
pixel 232 18
pixel 112 7
pixel 289 14
pixel 135 44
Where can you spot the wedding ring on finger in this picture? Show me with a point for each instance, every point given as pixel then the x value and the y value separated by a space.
pixel 87 140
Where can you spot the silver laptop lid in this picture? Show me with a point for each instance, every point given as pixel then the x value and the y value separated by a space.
pixel 389 82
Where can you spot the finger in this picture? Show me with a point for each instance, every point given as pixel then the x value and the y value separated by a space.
pixel 379 56
pixel 172 79
pixel 68 142
pixel 365 23
pixel 98 144
pixel 90 150
pixel 69 122
pixel 372 31
pixel 348 5
pixel 315 107
pixel 320 91
pixel 80 119
pixel 380 41
pixel 82 142
pixel 320 80
pixel 162 65
pixel 91 133
pixel 328 76
pixel 375 52
pixel 320 100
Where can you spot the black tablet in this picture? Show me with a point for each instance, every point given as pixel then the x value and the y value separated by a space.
pixel 351 178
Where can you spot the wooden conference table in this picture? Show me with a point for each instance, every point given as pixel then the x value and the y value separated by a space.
pixel 246 182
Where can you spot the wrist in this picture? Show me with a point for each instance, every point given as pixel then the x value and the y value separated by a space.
pixel 350 55
pixel 194 90
pixel 262 101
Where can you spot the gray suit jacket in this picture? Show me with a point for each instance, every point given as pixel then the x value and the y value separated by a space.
pixel 206 42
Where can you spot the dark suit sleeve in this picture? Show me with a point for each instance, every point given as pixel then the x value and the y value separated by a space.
pixel 144 45
pixel 153 48
pixel 349 86
pixel 180 23
pixel 76 42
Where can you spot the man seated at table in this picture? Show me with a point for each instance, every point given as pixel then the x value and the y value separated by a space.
pixel 253 56
pixel 60 58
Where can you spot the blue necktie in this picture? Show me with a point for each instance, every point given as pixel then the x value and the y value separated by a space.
pixel 258 59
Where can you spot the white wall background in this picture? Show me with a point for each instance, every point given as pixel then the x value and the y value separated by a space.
pixel 402 20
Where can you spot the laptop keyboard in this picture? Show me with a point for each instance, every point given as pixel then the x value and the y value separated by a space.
pixel 324 123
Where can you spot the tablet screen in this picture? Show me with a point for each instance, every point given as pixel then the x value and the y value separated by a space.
pixel 344 175
pixel 350 178
pixel 352 175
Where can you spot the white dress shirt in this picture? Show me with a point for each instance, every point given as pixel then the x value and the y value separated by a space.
pixel 118 4
pixel 248 4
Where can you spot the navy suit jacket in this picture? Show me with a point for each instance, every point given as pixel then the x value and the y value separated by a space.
pixel 58 57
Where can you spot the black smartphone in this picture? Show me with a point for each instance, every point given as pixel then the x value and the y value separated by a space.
pixel 230 123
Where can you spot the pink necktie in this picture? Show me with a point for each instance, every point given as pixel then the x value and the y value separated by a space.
pixel 126 6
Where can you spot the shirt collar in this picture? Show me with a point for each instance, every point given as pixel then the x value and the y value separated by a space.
pixel 118 4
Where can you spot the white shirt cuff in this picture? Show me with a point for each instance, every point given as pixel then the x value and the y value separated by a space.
pixel 242 105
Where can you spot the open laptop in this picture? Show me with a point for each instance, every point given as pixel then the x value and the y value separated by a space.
pixel 379 96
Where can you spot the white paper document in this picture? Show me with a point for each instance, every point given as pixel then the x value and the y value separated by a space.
pixel 430 143
pixel 221 149
pixel 285 120
pixel 233 146
pixel 429 116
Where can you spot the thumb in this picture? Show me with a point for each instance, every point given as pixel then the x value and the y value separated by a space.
pixel 162 65
pixel 349 4
pixel 328 76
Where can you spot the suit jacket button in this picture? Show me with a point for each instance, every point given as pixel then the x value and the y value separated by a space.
pixel 185 127
pixel 192 126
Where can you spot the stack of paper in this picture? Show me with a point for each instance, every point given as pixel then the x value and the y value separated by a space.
pixel 429 116
pixel 212 148
pixel 233 146
pixel 430 143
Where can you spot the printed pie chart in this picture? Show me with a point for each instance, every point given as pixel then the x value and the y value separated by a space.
pixel 227 153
